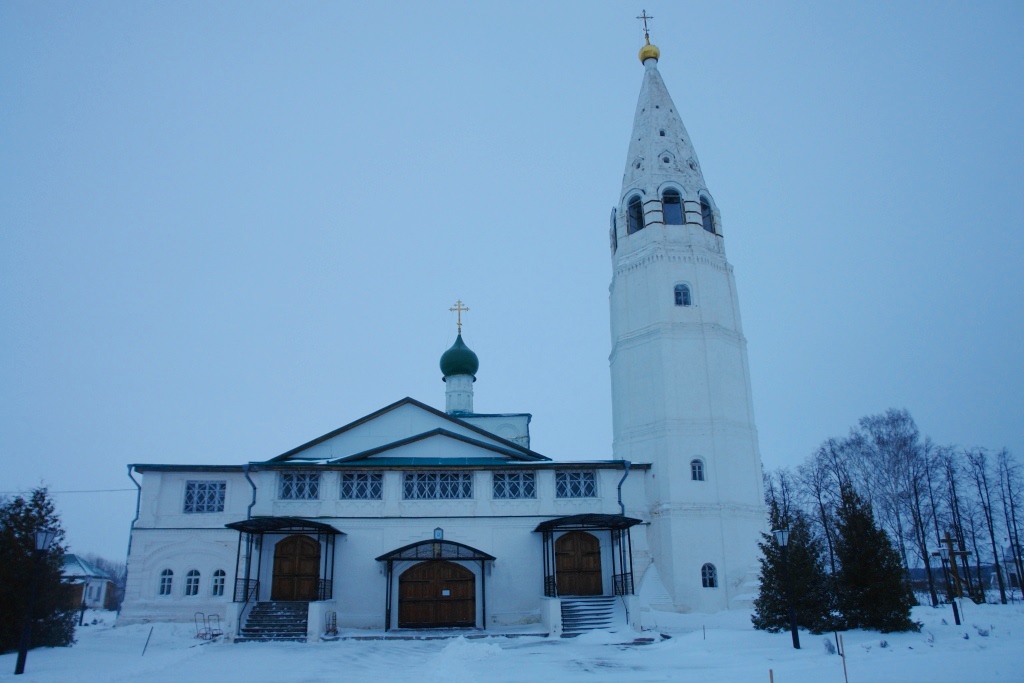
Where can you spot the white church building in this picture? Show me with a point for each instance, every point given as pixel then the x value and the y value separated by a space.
pixel 414 517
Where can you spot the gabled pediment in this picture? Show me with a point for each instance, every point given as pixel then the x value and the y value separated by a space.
pixel 435 447
pixel 400 424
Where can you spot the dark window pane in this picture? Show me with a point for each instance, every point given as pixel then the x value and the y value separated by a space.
pixel 673 208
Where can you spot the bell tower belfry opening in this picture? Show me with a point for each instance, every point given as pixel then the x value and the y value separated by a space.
pixel 681 396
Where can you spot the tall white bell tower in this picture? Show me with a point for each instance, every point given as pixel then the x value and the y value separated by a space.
pixel 681 395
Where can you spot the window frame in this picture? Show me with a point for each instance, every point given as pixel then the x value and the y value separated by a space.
pixel 564 488
pixel 305 486
pixel 709 575
pixel 634 218
pixel 677 196
pixel 707 215
pixel 204 501
pixel 192 583
pixel 369 483
pixel 219 583
pixel 683 295
pixel 527 489
pixel 166 585
pixel 437 485
pixel 697 470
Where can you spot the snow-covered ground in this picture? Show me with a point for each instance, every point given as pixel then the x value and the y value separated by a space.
pixel 722 647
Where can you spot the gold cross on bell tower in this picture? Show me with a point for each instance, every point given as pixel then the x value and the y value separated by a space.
pixel 644 16
pixel 459 307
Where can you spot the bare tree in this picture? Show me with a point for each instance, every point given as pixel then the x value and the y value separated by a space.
pixel 977 461
pixel 1009 495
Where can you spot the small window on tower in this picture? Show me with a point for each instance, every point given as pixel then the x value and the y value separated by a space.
pixel 683 296
pixel 661 133
pixel 697 470
pixel 672 205
pixel 709 576
pixel 636 215
pixel 707 216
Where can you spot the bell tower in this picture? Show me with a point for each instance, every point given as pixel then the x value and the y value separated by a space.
pixel 681 396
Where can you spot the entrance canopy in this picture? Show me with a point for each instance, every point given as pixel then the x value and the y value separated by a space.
pixel 435 550
pixel 283 525
pixel 588 521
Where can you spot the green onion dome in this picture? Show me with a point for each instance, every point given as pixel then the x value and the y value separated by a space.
pixel 459 360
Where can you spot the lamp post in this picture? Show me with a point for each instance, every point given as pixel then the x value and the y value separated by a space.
pixel 782 539
pixel 44 538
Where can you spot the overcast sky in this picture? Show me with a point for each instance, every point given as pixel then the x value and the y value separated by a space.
pixel 229 227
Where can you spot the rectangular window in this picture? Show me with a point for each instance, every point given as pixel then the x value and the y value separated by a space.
pixel 515 485
pixel 575 484
pixel 205 496
pixel 300 486
pixel 437 485
pixel 362 485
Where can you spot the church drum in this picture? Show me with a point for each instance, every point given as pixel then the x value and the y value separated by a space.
pixel 436 594
pixel 296 569
pixel 578 564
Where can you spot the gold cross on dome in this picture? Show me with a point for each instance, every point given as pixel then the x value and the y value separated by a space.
pixel 459 307
pixel 644 16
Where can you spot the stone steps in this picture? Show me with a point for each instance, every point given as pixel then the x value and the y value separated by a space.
pixel 275 621
pixel 581 614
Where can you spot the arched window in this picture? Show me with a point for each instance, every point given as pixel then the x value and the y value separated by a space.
pixel 672 205
pixel 166 581
pixel 683 295
pixel 219 577
pixel 697 470
pixel 707 216
pixel 635 211
pixel 709 576
pixel 192 582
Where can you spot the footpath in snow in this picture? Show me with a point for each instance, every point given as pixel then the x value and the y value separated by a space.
pixel 723 647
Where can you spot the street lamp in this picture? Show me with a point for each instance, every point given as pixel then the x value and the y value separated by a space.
pixel 44 539
pixel 943 553
pixel 782 539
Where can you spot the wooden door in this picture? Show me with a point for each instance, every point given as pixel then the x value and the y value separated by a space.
pixel 296 569
pixel 578 564
pixel 435 594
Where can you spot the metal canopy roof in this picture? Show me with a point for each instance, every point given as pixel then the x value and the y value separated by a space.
pixel 435 550
pixel 272 525
pixel 588 521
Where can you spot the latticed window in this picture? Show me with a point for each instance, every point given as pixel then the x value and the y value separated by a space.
pixel 362 485
pixel 575 484
pixel 166 581
pixel 515 485
pixel 709 576
pixel 219 578
pixel 192 582
pixel 696 470
pixel 205 496
pixel 300 485
pixel 437 485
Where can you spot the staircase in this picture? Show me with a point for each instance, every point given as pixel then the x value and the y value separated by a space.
pixel 281 621
pixel 585 613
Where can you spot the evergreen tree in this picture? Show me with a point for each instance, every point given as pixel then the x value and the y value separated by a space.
pixel 53 624
pixel 812 594
pixel 870 589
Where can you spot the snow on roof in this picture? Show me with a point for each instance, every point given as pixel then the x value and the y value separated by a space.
pixel 75 567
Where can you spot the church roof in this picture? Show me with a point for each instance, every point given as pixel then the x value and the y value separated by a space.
pixel 455 425
pixel 459 360
pixel 659 135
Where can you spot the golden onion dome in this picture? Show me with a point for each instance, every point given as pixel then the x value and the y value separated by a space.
pixel 649 51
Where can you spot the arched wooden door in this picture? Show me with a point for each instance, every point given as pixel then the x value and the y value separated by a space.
pixel 435 594
pixel 578 564
pixel 296 569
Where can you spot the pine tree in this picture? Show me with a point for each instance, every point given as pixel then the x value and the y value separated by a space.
pixel 53 624
pixel 812 594
pixel 870 589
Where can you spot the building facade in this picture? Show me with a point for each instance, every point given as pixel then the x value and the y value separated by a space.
pixel 413 517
